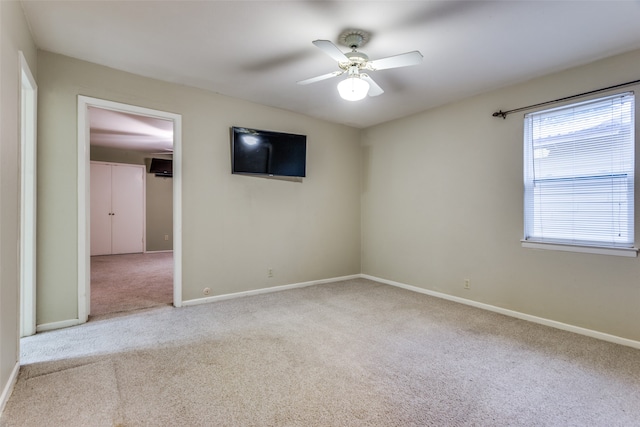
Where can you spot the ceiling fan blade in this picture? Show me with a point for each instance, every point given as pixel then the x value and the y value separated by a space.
pixel 402 60
pixel 331 50
pixel 374 89
pixel 319 78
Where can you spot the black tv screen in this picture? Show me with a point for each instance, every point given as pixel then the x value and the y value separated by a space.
pixel 161 167
pixel 262 152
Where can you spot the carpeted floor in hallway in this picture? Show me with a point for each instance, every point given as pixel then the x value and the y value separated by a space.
pixel 129 282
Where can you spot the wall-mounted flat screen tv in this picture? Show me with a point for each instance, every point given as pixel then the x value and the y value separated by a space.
pixel 261 152
pixel 161 167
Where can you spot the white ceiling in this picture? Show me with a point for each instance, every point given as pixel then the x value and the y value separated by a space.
pixel 132 132
pixel 258 50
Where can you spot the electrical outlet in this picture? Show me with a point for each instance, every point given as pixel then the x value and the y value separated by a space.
pixel 206 291
pixel 166 237
pixel 467 284
pixel 270 272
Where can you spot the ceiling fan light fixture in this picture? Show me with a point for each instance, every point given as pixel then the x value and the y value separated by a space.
pixel 353 88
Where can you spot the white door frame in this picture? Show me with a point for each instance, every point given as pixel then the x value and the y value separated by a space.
pixel 84 247
pixel 28 199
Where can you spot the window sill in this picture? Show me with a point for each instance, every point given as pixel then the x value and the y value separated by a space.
pixel 626 252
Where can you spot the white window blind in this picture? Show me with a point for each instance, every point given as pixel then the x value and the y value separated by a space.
pixel 578 173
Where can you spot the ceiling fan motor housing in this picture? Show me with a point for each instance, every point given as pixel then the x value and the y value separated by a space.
pixel 355 58
pixel 354 39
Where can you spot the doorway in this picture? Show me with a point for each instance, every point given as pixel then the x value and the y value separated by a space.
pixel 85 107
pixel 28 189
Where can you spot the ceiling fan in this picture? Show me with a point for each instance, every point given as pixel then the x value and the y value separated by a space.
pixel 358 83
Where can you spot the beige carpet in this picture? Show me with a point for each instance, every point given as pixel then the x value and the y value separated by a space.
pixel 354 353
pixel 123 283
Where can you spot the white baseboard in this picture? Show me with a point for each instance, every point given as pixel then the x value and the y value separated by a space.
pixel 57 325
pixel 267 290
pixel 547 322
pixel 8 388
pixel 512 313
pixel 73 322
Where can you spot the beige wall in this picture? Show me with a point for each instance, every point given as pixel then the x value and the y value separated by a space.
pixel 442 202
pixel 14 36
pixel 159 213
pixel 234 227
pixel 158 193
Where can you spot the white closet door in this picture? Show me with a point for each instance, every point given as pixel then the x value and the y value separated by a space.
pixel 127 207
pixel 100 209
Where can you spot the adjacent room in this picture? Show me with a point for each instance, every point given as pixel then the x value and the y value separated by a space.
pixel 313 213
pixel 131 204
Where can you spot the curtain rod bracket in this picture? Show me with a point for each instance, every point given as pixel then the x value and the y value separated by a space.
pixel 500 113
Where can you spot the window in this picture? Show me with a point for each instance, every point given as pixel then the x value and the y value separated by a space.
pixel 578 174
